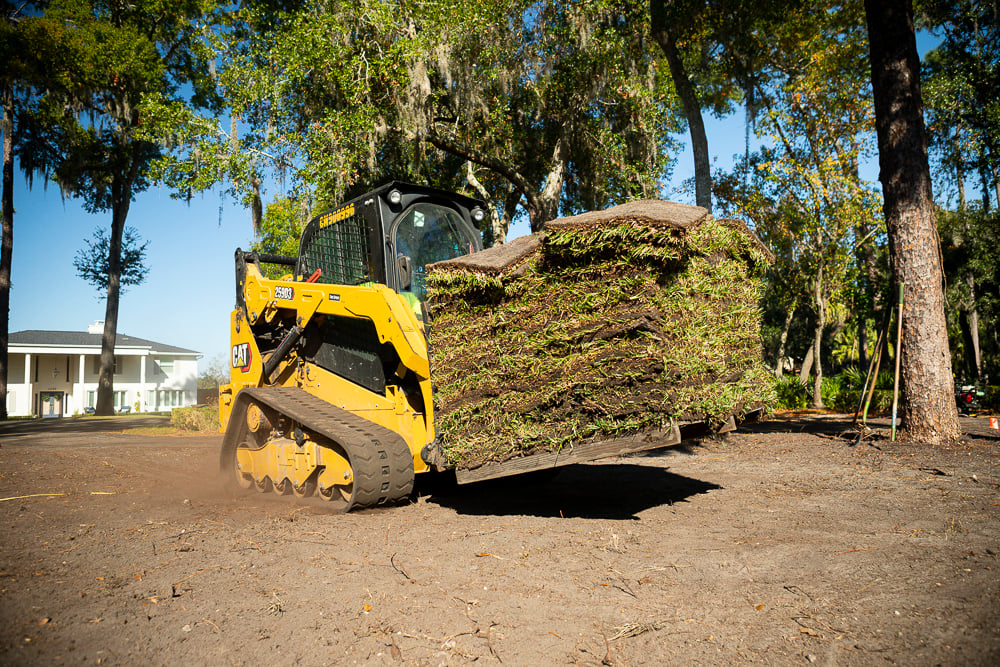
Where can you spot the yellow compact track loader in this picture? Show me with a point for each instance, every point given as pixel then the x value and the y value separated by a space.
pixel 330 391
pixel 331 387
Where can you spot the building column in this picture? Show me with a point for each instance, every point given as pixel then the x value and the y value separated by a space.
pixel 83 387
pixel 27 383
pixel 142 384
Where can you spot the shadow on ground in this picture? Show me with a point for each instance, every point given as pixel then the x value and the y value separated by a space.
pixel 609 491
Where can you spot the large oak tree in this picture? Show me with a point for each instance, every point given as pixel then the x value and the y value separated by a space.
pixel 538 105
pixel 83 131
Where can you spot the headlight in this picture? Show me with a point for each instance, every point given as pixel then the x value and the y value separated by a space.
pixel 395 197
pixel 478 214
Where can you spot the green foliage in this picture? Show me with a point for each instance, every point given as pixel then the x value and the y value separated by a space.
pixel 959 88
pixel 91 261
pixel 972 268
pixel 792 394
pixel 93 63
pixel 802 192
pixel 840 392
pixel 346 95
pixel 280 230
pixel 991 400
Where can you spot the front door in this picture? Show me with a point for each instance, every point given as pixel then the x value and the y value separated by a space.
pixel 50 403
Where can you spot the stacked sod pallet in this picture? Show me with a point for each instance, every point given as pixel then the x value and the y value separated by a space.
pixel 609 323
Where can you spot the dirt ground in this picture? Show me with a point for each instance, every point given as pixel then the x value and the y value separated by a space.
pixel 782 544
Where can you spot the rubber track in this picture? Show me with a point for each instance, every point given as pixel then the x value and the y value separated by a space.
pixel 381 462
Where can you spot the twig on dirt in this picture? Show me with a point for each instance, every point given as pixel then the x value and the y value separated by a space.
pixel 933 471
pixel 221 524
pixel 397 568
pixel 806 630
pixel 852 550
pixel 797 591
pixel 839 633
pixel 276 607
pixel 31 495
pixel 475 534
pixel 252 543
pixel 607 659
pixel 325 544
pixel 212 624
pixel 663 568
pixel 636 629
pixel 622 588
pixel 442 643
pixel 335 560
pixel 489 644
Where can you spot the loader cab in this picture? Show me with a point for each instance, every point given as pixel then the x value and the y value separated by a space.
pixel 389 236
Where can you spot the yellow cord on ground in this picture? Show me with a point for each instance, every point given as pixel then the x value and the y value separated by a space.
pixel 31 495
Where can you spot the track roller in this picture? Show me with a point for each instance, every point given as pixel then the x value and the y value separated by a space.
pixel 301 445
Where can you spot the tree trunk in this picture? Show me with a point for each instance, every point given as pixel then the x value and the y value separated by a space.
pixel 819 299
pixel 973 315
pixel 545 205
pixel 996 183
pixel 498 232
pixel 807 364
pixel 692 107
pixel 779 370
pixel 121 200
pixel 959 171
pixel 7 129
pixel 929 412
pixel 862 306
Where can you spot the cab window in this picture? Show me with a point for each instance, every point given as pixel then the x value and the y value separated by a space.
pixel 428 233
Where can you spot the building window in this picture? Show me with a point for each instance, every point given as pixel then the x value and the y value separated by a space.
pixel 166 366
pixel 91 399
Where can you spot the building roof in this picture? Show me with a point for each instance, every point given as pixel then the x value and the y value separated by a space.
pixel 35 337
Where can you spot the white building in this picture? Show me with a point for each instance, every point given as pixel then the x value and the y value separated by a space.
pixel 54 373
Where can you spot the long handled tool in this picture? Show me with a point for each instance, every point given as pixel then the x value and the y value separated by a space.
pixel 873 368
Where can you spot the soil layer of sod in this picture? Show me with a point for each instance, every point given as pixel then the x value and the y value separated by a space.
pixel 608 323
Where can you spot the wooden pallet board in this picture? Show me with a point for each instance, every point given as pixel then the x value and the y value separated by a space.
pixel 580 453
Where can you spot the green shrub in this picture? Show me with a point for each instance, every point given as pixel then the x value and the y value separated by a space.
pixel 205 418
pixel 851 383
pixel 792 394
pixel 832 390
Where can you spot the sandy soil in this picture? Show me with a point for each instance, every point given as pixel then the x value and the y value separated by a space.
pixel 783 544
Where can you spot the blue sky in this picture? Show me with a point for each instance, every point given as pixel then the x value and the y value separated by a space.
pixel 188 293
